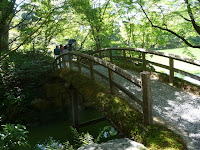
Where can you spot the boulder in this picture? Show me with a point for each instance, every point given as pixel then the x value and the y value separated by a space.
pixel 116 144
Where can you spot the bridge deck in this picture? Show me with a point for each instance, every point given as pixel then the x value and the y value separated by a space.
pixel 173 105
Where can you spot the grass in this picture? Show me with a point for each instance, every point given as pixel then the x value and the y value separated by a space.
pixel 186 52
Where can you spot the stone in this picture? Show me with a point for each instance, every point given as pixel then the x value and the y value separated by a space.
pixel 116 144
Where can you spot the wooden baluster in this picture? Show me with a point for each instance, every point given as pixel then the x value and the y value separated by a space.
pixel 55 65
pixel 79 64
pixel 92 70
pixel 70 62
pixel 64 62
pixel 60 62
pixel 111 59
pixel 144 63
pixel 124 55
pixel 100 54
pixel 147 98
pixel 110 72
pixel 171 70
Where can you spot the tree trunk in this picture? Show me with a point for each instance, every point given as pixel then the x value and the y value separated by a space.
pixel 4 36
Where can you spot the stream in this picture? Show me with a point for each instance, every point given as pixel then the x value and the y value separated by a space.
pixel 60 130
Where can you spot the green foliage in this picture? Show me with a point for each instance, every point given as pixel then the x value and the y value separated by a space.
pixel 51 144
pixel 22 74
pixel 81 139
pixel 107 133
pixel 27 70
pixel 13 137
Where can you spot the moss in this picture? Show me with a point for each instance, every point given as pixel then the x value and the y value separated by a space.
pixel 130 65
pixel 122 115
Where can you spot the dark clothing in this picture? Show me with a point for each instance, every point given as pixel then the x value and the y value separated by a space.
pixel 57 51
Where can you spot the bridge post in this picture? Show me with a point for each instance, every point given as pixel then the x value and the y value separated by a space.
pixel 79 64
pixel 124 54
pixel 111 59
pixel 92 70
pixel 147 98
pixel 100 56
pixel 64 62
pixel 70 62
pixel 59 62
pixel 55 65
pixel 111 81
pixel 171 69
pixel 110 55
pixel 144 61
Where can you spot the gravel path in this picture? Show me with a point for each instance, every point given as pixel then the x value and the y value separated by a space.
pixel 173 105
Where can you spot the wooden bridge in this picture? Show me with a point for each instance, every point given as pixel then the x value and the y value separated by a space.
pixel 138 89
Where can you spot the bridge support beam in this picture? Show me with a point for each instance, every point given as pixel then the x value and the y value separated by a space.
pixel 92 70
pixel 75 109
pixel 111 58
pixel 144 61
pixel 70 62
pixel 124 55
pixel 147 98
pixel 79 64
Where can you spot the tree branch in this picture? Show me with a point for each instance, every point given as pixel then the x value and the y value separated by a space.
pixel 189 10
pixel 22 20
pixel 15 11
pixel 168 30
pixel 184 18
pixel 104 11
pixel 28 37
pixel 84 40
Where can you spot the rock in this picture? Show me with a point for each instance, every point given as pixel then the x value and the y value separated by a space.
pixel 116 144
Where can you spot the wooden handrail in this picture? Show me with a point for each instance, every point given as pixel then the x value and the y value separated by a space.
pixel 125 74
pixel 144 61
pixel 176 57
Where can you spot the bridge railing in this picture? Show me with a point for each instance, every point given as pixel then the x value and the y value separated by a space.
pixel 67 60
pixel 145 62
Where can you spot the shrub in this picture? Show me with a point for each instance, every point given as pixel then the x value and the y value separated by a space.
pixel 21 75
pixel 14 137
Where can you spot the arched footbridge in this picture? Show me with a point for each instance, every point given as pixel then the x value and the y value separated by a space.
pixel 151 96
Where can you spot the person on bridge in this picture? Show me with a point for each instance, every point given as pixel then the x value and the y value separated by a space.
pixel 57 51
pixel 61 48
pixel 66 56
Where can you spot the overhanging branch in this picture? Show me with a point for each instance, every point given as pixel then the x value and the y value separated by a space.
pixel 28 37
pixel 168 30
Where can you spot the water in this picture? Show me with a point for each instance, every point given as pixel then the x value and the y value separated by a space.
pixel 60 130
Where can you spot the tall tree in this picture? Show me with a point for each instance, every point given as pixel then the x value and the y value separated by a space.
pixel 7 12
